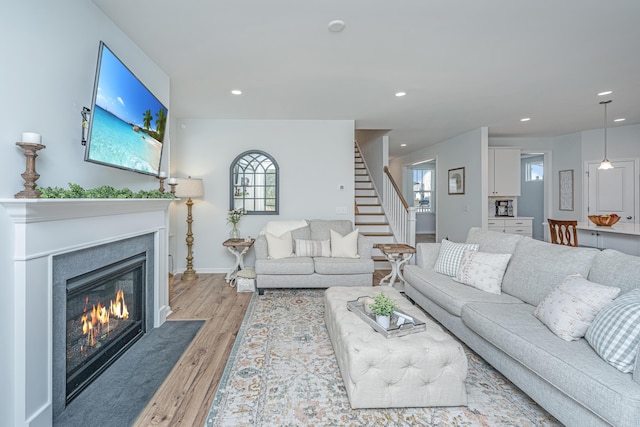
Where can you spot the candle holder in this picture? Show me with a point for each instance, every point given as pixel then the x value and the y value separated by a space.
pixel 161 179
pixel 173 188
pixel 30 175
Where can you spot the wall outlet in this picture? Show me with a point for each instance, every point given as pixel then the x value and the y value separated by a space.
pixel 341 210
pixel 341 187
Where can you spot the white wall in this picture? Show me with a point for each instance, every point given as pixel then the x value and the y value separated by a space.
pixel 374 148
pixel 315 158
pixel 455 213
pixel 49 52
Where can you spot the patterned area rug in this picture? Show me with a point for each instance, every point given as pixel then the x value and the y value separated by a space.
pixel 283 372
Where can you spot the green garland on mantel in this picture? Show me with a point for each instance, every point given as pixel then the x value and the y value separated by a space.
pixel 105 192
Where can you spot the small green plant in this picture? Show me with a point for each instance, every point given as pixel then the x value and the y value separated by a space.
pixel 105 192
pixel 383 305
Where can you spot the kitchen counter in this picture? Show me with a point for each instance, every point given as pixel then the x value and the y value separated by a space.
pixel 620 228
pixel 623 237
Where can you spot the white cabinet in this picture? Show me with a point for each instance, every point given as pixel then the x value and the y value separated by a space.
pixel 520 226
pixel 504 172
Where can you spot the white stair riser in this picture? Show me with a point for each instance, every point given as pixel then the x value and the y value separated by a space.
pixel 363 185
pixel 370 209
pixel 374 228
pixel 366 200
pixel 370 218
pixel 381 239
pixel 365 192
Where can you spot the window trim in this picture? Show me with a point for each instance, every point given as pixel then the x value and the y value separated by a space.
pixel 232 187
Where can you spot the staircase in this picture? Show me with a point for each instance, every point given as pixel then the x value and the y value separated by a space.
pixel 369 215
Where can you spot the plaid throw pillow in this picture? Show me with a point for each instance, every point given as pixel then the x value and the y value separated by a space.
pixel 615 332
pixel 450 256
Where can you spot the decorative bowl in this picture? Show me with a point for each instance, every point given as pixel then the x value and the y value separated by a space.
pixel 604 221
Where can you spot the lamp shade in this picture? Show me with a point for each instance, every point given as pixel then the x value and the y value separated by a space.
pixel 189 187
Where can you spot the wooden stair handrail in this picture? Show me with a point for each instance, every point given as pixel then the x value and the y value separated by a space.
pixel 395 186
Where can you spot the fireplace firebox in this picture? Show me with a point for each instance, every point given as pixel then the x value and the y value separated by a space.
pixel 105 315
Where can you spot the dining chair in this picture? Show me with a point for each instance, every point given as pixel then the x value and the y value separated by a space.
pixel 563 232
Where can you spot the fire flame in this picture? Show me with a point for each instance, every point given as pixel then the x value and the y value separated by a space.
pixel 94 321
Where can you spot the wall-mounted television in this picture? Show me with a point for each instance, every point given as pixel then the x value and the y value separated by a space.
pixel 127 125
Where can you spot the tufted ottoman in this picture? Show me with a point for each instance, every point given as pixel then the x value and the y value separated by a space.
pixel 422 369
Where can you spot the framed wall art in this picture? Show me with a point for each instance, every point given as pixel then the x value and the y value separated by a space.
pixel 566 190
pixel 456 181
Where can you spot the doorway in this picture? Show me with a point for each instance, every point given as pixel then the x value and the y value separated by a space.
pixel 419 188
pixel 612 190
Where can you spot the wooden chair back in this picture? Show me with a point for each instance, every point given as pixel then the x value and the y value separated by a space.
pixel 563 232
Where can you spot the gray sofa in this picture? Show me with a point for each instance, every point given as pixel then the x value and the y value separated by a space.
pixel 315 272
pixel 568 379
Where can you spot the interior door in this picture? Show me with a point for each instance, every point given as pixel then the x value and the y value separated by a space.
pixel 612 190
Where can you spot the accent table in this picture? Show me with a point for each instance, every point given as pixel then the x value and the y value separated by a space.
pixel 238 247
pixel 398 255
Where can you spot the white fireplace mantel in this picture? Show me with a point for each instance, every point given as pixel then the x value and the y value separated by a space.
pixel 42 229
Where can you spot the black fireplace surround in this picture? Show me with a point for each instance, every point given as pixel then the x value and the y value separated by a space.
pixel 102 304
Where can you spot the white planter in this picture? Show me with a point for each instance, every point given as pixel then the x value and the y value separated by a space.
pixel 383 321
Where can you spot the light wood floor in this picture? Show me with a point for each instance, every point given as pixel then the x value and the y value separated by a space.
pixel 185 397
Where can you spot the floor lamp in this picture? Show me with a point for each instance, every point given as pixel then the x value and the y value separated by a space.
pixel 189 188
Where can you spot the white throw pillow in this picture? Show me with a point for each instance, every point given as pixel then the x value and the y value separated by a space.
pixel 344 246
pixel 615 332
pixel 483 270
pixel 313 248
pixel 570 308
pixel 450 255
pixel 279 247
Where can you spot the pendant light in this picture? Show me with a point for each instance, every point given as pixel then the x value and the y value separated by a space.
pixel 605 163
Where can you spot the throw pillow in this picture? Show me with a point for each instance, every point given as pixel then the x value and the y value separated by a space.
pixel 450 256
pixel 344 246
pixel 615 332
pixel 279 247
pixel 569 309
pixel 482 270
pixel 313 248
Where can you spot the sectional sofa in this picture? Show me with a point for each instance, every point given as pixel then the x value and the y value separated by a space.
pixel 321 271
pixel 568 378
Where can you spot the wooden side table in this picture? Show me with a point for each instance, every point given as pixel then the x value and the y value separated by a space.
pixel 397 255
pixel 238 247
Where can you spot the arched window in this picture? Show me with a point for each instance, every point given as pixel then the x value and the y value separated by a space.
pixel 254 183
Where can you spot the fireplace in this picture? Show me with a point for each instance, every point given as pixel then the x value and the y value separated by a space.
pixel 54 241
pixel 103 298
pixel 105 316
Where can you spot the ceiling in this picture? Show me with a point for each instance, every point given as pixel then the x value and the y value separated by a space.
pixel 463 64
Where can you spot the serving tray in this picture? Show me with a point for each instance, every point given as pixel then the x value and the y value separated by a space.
pixel 394 329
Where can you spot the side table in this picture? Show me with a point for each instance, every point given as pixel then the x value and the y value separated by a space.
pixel 238 247
pixel 397 255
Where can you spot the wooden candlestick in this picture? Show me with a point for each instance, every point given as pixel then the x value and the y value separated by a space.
pixel 162 178
pixel 30 175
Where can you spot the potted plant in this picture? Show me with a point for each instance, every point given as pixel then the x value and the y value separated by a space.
pixel 383 307
pixel 233 217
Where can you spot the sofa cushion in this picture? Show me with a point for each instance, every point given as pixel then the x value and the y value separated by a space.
pixel 482 270
pixel 614 268
pixel 537 267
pixel 570 308
pixel 344 265
pixel 615 332
pixel 344 246
pixel 321 228
pixel 313 248
pixel 572 367
pixel 279 246
pixel 447 293
pixel 493 241
pixel 450 256
pixel 296 265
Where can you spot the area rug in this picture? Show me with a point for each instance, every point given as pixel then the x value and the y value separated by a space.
pixel 283 372
pixel 120 393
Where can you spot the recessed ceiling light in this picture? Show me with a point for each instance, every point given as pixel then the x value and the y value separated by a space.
pixel 399 94
pixel 403 145
pixel 336 26
pixel 621 119
pixel 525 119
pixel 236 92
pixel 606 92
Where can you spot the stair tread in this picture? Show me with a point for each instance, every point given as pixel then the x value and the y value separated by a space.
pixel 372 223
pixel 369 233
pixel 368 204
pixel 371 213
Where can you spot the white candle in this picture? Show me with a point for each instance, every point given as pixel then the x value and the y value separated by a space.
pixel 162 174
pixel 172 181
pixel 32 137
